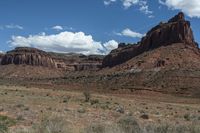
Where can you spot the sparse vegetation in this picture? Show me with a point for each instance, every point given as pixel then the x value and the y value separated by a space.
pixel 187 117
pixel 128 124
pixel 144 116
pixel 36 113
pixel 52 124
pixel 81 110
pixel 96 128
pixel 87 96
pixel 95 101
pixel 168 128
pixel 5 123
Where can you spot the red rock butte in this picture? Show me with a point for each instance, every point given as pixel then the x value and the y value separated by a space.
pixel 176 30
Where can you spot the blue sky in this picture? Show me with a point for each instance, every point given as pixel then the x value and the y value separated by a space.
pixel 86 26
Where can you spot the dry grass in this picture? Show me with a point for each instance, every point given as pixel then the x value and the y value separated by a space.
pixel 126 124
pixel 58 111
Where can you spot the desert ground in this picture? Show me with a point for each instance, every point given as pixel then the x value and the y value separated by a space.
pixel 28 109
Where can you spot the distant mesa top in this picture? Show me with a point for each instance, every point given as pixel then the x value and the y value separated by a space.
pixel 27 50
pixel 176 30
pixel 28 56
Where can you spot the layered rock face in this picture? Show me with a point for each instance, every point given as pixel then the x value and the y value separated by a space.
pixel 176 30
pixel 1 56
pixel 28 56
pixel 77 62
pixel 36 57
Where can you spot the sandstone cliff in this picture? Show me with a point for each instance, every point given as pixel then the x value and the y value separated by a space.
pixel 28 56
pixel 176 30
pixel 77 62
pixel 64 62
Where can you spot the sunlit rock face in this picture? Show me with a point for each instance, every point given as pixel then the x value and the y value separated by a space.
pixel 176 30
pixel 28 56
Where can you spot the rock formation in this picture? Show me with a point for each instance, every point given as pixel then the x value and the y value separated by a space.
pixel 77 62
pixel 1 56
pixel 28 56
pixel 66 62
pixel 176 30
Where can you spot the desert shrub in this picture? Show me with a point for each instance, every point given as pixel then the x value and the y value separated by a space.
pixel 6 122
pixel 187 117
pixel 168 128
pixel 65 100
pixel 102 128
pixel 96 128
pixel 162 129
pixel 95 101
pixel 87 96
pixel 144 116
pixel 81 110
pixel 19 106
pixel 20 118
pixel 52 124
pixel 104 106
pixel 128 124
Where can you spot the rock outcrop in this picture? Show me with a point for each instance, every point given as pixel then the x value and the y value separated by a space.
pixel 28 56
pixel 77 62
pixel 65 62
pixel 176 30
pixel 1 56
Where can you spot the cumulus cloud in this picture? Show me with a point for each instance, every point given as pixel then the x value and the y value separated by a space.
pixel 143 5
pixel 57 27
pixel 129 3
pixel 129 33
pixel 13 26
pixel 108 2
pixel 64 42
pixel 110 45
pixel 189 7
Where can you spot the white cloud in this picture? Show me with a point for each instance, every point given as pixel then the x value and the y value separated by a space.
pixel 129 33
pixel 77 42
pixel 57 27
pixel 143 5
pixel 108 2
pixel 13 26
pixel 129 3
pixel 151 16
pixel 110 45
pixel 189 7
pixel 145 8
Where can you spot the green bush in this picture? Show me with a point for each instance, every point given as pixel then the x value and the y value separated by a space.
pixel 6 122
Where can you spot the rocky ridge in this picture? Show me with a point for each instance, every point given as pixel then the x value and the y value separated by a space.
pixel 66 62
pixel 28 56
pixel 176 30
